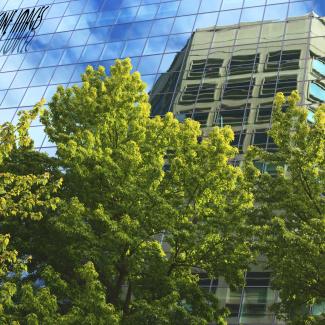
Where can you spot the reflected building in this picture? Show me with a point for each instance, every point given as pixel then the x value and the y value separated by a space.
pixel 229 75
pixel 217 61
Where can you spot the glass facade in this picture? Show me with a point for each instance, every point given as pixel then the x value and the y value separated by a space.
pixel 219 62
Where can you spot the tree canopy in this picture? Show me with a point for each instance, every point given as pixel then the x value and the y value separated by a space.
pixel 117 227
pixel 290 208
pixel 145 205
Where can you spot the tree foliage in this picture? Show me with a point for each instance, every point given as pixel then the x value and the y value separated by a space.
pixel 145 204
pixel 290 208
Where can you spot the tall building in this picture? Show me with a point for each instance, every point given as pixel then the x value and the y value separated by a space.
pixel 217 61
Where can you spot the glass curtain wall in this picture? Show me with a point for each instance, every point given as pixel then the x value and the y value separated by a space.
pixel 219 62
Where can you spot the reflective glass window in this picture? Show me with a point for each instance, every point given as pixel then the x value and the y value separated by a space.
pixel 49 26
pixel 79 37
pixel 241 64
pixel 166 62
pixel 232 115
pixel 317 91
pixel 91 53
pixel 205 68
pixel 99 35
pixel 87 20
pixel 68 23
pixel 231 4
pixel 198 93
pixel 13 98
pixel 168 9
pixel 112 50
pixel 42 76
pixel 276 12
pixel 134 47
pixel 129 3
pixel 283 60
pixel 238 89
pixel 59 40
pixel 32 60
pixel 33 95
pixel 140 29
pixel 71 55
pixel 23 78
pixel 177 42
pixel 204 20
pixel 156 45
pixel 6 79
pixel 51 58
pixel 75 7
pixel 57 10
pixel 229 17
pixel 50 91
pixel 251 3
pixel 300 8
pixel 28 3
pixel 92 6
pixel 6 114
pixel 162 27
pixel 210 5
pixel 13 4
pixel 37 134
pixel 62 74
pixel 183 24
pixel 252 14
pixel 41 42
pixel 319 66
pixel 13 62
pixel 119 32
pixel 188 7
pixel 127 15
pixel 149 64
pixel 2 60
pixel 284 84
pixel 147 12
pixel 106 18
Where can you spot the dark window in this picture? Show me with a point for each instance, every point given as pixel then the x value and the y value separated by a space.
pixel 230 115
pixel 254 310
pixel 198 93
pixel 258 279
pixel 239 140
pixel 205 68
pixel 288 60
pixel 263 113
pixel 234 309
pixel 284 84
pixel 199 115
pixel 207 283
pixel 262 140
pixel 243 64
pixel 238 89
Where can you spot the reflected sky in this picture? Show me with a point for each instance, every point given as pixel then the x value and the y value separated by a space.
pixel 154 33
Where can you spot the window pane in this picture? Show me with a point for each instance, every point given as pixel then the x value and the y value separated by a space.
pixel 22 78
pixel 33 95
pixel 13 98
pixel 51 58
pixel 156 45
pixel 6 79
pixel 42 76
pixel 62 74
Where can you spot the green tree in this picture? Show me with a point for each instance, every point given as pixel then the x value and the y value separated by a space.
pixel 146 203
pixel 291 209
pixel 22 197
